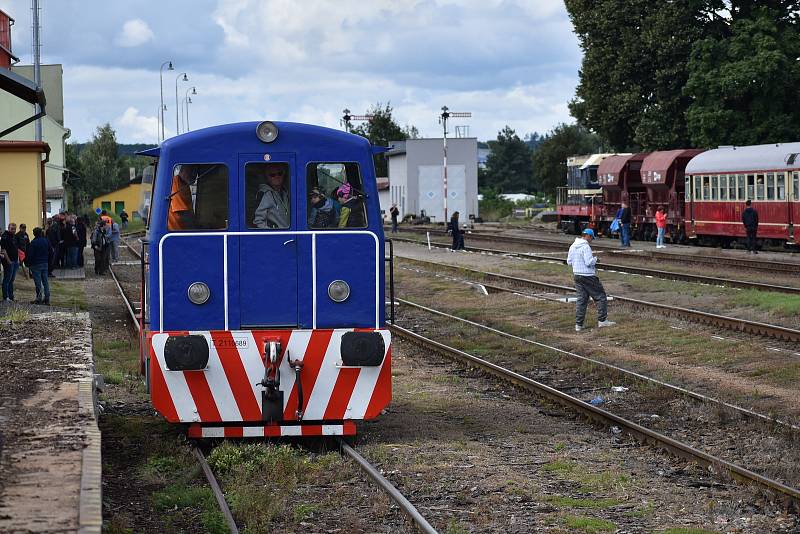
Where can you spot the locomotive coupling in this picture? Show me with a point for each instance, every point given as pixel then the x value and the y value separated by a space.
pixel 272 396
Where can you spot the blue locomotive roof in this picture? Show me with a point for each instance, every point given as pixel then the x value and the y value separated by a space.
pixel 242 138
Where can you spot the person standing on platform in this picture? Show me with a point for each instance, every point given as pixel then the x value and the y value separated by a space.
pixel 123 216
pixel 80 227
pixel 114 242
pixel 38 261
pixel 10 261
pixel 54 237
pixel 587 284
pixel 750 221
pixel 22 241
pixel 71 243
pixel 394 212
pixel 625 224
pixel 661 226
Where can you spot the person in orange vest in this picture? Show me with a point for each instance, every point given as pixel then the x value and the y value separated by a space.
pixel 106 218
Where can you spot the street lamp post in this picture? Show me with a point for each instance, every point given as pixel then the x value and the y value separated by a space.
pixel 161 79
pixel 186 101
pixel 185 79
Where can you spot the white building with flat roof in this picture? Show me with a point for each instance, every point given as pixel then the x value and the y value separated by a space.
pixel 416 177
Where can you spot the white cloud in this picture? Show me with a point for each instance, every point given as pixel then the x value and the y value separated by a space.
pixel 136 127
pixel 135 32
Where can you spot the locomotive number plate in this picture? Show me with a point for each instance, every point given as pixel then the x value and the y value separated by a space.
pixel 236 342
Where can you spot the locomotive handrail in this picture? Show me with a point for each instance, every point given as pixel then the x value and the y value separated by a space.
pixel 224 235
pixel 390 260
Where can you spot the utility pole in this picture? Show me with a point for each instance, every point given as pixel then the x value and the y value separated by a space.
pixel 446 114
pixel 37 63
pixel 347 119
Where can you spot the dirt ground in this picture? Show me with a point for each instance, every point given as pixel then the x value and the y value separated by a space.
pixel 475 456
pixel 42 431
pixel 728 365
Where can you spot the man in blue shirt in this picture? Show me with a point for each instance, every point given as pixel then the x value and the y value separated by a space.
pixel 38 260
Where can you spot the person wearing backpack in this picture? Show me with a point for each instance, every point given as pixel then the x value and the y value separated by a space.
pixel 39 260
pixel 101 241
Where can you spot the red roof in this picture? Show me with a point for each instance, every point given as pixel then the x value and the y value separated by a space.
pixel 608 173
pixel 656 166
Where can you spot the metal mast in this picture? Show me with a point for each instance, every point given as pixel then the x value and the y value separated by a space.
pixel 446 114
pixel 37 67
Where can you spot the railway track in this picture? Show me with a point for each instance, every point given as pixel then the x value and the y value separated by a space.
pixel 604 266
pixel 642 434
pixel 785 267
pixel 697 316
pixel 371 471
pixel 610 367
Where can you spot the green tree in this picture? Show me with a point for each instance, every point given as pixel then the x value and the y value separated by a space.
pixel 508 166
pixel 743 81
pixel 100 163
pixel 634 69
pixel 381 129
pixel 550 158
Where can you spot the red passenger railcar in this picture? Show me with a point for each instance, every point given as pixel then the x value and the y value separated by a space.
pixel 719 182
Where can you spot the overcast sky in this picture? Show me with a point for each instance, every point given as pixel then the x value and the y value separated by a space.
pixel 509 62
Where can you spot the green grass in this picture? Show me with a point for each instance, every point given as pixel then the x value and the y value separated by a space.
pixel 260 479
pixel 118 361
pixel 780 303
pixel 589 503
pixel 180 497
pixel 68 294
pixel 16 315
pixel 589 524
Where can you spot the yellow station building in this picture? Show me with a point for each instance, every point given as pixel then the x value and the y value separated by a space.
pixel 22 182
pixel 125 198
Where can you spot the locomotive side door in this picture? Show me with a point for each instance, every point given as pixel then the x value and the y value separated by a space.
pixel 267 244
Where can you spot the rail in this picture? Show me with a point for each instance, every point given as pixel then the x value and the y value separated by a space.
pixel 638 432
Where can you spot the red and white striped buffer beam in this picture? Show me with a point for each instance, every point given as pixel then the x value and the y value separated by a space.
pixel 229 388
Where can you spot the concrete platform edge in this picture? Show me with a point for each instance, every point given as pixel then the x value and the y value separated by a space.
pixel 90 512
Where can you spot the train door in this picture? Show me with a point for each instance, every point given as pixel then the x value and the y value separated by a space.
pixel 268 245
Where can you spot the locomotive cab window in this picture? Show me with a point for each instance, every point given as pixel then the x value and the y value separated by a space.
pixel 335 196
pixel 268 202
pixel 198 198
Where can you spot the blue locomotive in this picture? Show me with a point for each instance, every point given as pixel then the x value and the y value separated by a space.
pixel 263 282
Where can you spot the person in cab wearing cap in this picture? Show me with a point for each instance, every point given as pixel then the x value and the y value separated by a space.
pixel 583 262
pixel 321 213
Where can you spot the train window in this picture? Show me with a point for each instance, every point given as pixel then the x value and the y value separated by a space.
pixel 796 187
pixel 770 186
pixel 751 187
pixel 723 187
pixel 731 187
pixel 335 196
pixel 706 188
pixel 268 202
pixel 198 198
pixel 698 185
pixel 760 187
pixel 714 189
pixel 688 188
pixel 740 186
pixel 780 186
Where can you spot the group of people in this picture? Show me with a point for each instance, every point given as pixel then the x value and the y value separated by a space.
pixel 17 250
pixel 57 246
pixel 343 208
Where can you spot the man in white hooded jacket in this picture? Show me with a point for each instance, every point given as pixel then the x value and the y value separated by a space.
pixel 586 282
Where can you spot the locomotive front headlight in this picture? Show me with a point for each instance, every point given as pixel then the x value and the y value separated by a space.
pixel 199 293
pixel 267 131
pixel 338 291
